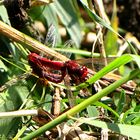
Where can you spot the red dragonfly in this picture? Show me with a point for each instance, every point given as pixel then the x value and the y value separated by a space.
pixel 44 68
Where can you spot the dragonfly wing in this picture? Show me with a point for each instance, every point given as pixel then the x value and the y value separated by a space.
pixel 68 44
pixel 50 40
pixel 98 63
pixel 71 97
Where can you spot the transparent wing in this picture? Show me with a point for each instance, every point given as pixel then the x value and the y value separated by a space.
pixel 98 63
pixel 68 45
pixel 71 97
pixel 50 40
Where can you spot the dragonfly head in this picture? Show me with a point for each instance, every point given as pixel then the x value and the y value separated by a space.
pixel 76 71
pixel 83 71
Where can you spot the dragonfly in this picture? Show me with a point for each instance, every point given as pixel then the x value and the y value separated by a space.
pixel 76 72
pixel 46 68
pixel 51 42
pixel 39 64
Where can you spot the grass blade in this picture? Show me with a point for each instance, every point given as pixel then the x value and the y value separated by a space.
pixel 81 106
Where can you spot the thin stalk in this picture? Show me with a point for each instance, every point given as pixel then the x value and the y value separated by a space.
pixel 82 105
pixel 18 113
pixel 25 39
pixel 113 65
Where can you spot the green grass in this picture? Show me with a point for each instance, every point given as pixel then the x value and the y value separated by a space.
pixel 23 90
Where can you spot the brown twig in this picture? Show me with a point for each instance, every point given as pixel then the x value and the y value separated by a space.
pixel 16 35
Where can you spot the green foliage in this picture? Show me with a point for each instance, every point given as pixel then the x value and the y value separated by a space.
pixel 111 45
pixel 30 92
pixel 129 130
pixel 92 111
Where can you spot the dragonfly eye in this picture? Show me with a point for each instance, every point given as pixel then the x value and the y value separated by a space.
pixel 83 70
pixel 82 73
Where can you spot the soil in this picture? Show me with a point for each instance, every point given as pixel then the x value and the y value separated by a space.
pixel 128 13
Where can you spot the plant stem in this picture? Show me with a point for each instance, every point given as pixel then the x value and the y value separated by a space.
pixel 25 39
pixel 82 105
pixel 18 113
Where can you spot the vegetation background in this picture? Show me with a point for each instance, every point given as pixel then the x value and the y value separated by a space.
pixel 30 106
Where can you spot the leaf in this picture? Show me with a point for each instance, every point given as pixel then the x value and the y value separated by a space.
pixel 9 127
pixel 124 59
pixel 4 15
pixel 92 111
pixel 82 105
pixel 3 66
pixel 136 58
pixel 121 103
pixel 67 15
pixel 9 101
pixel 69 18
pixel 111 45
pixel 132 117
pixel 107 107
pixel 97 18
pixel 127 130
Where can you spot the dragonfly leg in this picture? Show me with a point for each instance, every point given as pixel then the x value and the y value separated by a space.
pixel 56 78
